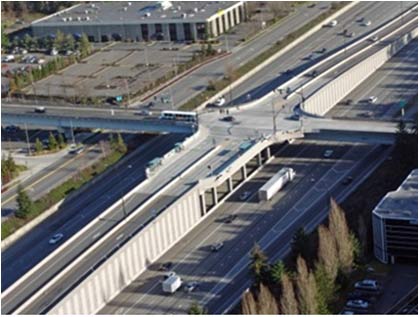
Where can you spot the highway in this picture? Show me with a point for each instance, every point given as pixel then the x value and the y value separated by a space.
pixel 75 213
pixel 274 74
pixel 395 81
pixel 192 259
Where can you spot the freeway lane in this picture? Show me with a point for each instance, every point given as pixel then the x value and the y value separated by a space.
pixel 118 237
pixel 191 256
pixel 75 214
pixel 274 75
pixel 396 80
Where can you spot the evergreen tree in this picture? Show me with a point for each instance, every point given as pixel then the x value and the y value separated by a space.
pixel 259 266
pixel 306 288
pixel 340 231
pixel 288 301
pixel 52 142
pixel 120 144
pixel 197 309
pixel 60 140
pixel 266 302
pixel 85 46
pixel 248 304
pixel 327 253
pixel 24 203
pixel 38 146
pixel 276 271
pixel 4 39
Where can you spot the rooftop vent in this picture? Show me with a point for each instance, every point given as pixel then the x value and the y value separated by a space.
pixel 195 9
pixel 125 8
pixel 129 4
pixel 92 5
pixel 78 18
pixel 64 20
pixel 147 14
pixel 70 19
pixel 183 15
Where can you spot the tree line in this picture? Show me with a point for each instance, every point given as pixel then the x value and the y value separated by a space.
pixel 309 288
pixel 20 8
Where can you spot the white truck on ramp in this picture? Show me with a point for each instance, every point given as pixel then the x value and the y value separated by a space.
pixel 172 284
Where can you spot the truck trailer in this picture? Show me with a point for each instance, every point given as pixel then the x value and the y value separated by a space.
pixel 171 284
pixel 279 180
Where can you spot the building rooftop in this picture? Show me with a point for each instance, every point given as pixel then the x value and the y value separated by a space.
pixel 403 203
pixel 114 12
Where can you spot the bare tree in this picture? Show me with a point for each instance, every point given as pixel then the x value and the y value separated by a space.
pixel 266 302
pixel 340 231
pixel 288 301
pixel 248 303
pixel 306 288
pixel 327 253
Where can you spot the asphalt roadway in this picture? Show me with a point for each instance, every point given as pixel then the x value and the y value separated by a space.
pixel 73 215
pixel 316 179
pixel 393 82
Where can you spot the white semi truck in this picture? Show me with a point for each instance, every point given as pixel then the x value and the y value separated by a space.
pixel 171 284
pixel 279 180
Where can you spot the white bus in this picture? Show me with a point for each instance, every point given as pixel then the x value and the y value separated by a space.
pixel 179 115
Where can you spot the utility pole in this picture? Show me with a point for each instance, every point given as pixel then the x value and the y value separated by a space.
pixel 27 140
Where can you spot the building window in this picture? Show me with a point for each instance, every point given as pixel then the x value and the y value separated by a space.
pixel 173 32
pixel 201 31
pixel 187 31
pixel 144 32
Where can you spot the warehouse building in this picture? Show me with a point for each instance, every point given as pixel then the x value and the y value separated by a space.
pixel 395 223
pixel 144 20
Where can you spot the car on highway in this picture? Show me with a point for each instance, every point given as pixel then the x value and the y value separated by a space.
pixel 76 150
pixel 288 72
pixel 314 73
pixel 366 23
pixel 350 34
pixel 332 23
pixel 347 180
pixel 228 119
pixel 328 153
pixel 216 246
pixel 244 195
pixel 220 102
pixel 230 218
pixel 165 266
pixel 358 304
pixel 323 50
pixel 56 238
pixel 144 113
pixel 367 285
pixel 347 312
pixel 191 286
pixel 372 99
pixel 374 38
pixel 367 114
pixel 12 129
pixel 168 274
pixel 40 109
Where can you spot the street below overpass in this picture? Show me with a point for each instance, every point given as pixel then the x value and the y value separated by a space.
pixel 296 205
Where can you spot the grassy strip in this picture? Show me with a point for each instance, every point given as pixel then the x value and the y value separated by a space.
pixel 221 84
pixel 60 192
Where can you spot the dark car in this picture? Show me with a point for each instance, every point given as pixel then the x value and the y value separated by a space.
pixel 165 266
pixel 347 180
pixel 230 218
pixel 228 119
pixel 349 102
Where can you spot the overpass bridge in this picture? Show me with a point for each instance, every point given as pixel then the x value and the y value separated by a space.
pixel 69 121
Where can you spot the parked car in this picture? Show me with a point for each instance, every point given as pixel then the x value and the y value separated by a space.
pixel 366 23
pixel 347 180
pixel 245 195
pixel 56 238
pixel 350 34
pixel 217 246
pixel 76 150
pixel 358 304
pixel 228 119
pixel 367 284
pixel 8 59
pixel 372 99
pixel 349 102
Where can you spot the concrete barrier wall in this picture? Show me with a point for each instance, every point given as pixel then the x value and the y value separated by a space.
pixel 133 258
pixel 330 94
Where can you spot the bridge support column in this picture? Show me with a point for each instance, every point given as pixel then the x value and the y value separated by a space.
pixel 203 206
pixel 214 195
pixel 244 172
pixel 230 185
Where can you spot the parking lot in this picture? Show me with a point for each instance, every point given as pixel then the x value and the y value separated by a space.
pixel 117 69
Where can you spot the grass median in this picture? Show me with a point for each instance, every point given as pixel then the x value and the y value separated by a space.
pixel 219 85
pixel 12 224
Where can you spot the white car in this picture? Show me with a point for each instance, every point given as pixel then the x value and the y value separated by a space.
pixel 367 284
pixel 372 99
pixel 244 195
pixel 366 23
pixel 8 58
pixel 189 287
pixel 358 303
pixel 220 102
pixel 56 238
pixel 332 23
pixel 327 153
